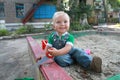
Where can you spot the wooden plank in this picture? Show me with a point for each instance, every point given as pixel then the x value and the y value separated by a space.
pixel 50 69
pixel 38 74
pixel 36 49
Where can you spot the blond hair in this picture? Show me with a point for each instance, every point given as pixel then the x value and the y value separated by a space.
pixel 59 13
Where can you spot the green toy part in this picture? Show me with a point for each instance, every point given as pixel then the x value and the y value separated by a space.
pixel 26 78
pixel 116 77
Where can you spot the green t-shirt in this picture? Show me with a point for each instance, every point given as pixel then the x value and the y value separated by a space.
pixel 70 38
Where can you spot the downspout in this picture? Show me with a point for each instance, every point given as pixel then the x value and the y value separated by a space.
pixel 31 12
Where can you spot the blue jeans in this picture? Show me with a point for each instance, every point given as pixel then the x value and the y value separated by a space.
pixel 75 54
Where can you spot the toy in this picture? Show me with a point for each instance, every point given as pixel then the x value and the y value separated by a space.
pixel 88 51
pixel 116 77
pixel 26 78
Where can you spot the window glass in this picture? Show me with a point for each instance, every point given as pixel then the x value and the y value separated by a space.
pixel 19 10
pixel 2 13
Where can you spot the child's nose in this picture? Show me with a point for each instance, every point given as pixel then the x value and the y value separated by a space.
pixel 62 23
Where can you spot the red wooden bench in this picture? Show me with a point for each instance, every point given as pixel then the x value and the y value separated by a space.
pixel 50 70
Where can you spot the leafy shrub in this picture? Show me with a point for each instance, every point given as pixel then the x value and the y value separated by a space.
pixel 115 20
pixel 4 32
pixel 101 20
pixel 48 26
pixel 87 26
pixel 76 26
pixel 21 30
pixel 25 29
pixel 30 28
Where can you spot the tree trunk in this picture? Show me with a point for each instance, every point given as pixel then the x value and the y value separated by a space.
pixel 105 10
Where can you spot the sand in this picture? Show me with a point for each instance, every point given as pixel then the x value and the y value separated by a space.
pixel 106 47
pixel 15 61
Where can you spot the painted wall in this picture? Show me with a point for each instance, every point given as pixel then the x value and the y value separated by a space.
pixel 10 11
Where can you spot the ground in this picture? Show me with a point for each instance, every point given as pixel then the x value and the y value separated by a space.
pixel 15 61
pixel 103 46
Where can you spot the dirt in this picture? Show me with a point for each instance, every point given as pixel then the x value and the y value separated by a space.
pixel 15 61
pixel 106 47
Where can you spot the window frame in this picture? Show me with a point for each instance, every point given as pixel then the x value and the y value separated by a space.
pixel 20 10
pixel 2 10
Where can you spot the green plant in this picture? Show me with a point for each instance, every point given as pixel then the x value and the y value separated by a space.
pixel 14 35
pixel 30 28
pixel 76 26
pixel 87 26
pixel 101 20
pixel 77 10
pixel 48 26
pixel 4 32
pixel 21 30
pixel 25 29
pixel 115 20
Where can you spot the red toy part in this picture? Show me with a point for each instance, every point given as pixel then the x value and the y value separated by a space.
pixel 49 55
pixel 44 43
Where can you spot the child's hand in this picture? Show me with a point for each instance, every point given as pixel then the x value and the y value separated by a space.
pixel 53 51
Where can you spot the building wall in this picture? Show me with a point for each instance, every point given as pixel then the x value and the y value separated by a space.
pixel 10 9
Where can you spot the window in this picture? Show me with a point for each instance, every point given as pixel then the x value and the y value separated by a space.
pixel 45 11
pixel 19 10
pixel 2 13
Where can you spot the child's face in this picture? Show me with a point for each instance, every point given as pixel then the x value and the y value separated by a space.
pixel 61 24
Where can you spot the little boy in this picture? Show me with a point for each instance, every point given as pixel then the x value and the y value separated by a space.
pixel 63 50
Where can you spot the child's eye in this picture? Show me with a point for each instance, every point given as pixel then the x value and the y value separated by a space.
pixel 58 22
pixel 65 21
